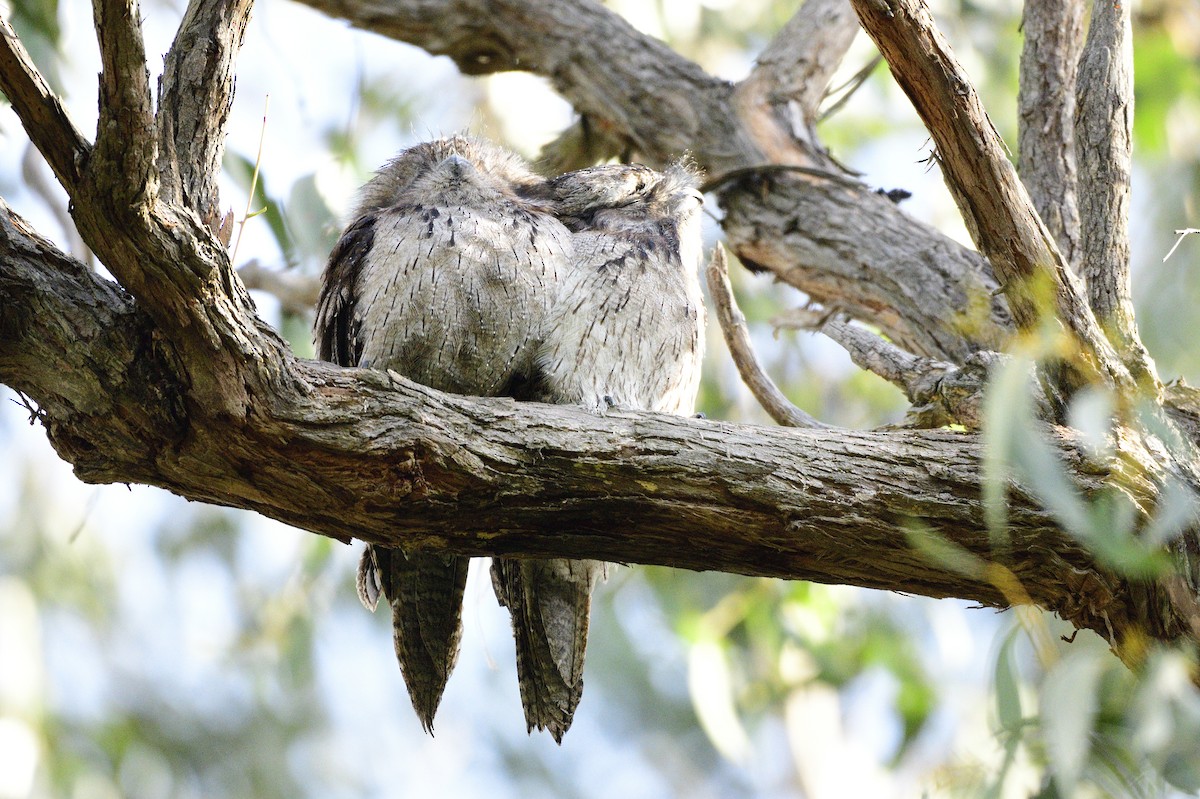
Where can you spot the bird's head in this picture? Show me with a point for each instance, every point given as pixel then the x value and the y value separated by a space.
pixel 621 193
pixel 459 170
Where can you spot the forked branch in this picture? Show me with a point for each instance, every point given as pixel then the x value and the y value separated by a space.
pixel 332 449
pixel 808 232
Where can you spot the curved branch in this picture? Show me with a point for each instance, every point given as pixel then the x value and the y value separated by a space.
pixel 792 74
pixel 1104 130
pixel 336 450
pixel 737 338
pixel 1046 107
pixel 642 79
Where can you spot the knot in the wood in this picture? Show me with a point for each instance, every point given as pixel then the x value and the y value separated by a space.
pixel 483 54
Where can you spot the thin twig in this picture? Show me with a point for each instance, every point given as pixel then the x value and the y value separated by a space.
pixel 717 181
pixel 296 292
pixel 585 142
pixel 246 216
pixel 849 88
pixel 733 326
pixel 941 393
pixel 1183 234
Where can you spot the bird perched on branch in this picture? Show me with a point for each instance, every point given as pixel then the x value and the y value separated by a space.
pixel 446 275
pixel 627 330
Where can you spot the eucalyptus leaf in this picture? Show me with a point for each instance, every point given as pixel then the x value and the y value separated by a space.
pixel 1069 702
pixel 1008 696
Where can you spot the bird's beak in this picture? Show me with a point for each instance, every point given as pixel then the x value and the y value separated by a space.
pixel 456 165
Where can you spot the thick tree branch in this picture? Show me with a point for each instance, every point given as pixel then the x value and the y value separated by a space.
pixel 40 110
pixel 334 450
pixel 1104 130
pixel 737 338
pixel 60 318
pixel 993 202
pixel 162 253
pixel 195 94
pixel 1045 112
pixel 851 249
pixel 640 82
pixel 186 389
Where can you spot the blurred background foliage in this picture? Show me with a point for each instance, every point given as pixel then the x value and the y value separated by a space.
pixel 154 648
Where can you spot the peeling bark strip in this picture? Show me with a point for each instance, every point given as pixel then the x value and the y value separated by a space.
pixel 171 380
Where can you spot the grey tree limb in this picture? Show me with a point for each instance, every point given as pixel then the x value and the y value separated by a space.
pixel 160 250
pixel 171 380
pixel 791 76
pixel 851 249
pixel 332 449
pixel 941 393
pixel 41 111
pixel 1046 155
pixel 125 149
pixel 1104 130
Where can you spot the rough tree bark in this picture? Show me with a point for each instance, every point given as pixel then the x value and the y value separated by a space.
pixel 170 379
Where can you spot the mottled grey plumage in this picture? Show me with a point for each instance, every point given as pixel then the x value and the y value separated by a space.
pixel 446 275
pixel 627 330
